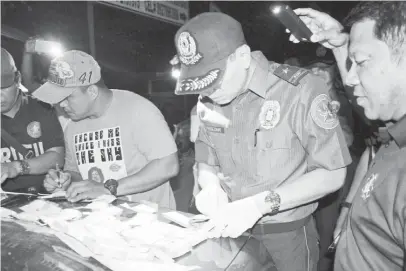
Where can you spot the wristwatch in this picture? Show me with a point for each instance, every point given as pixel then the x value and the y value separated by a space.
pixel 111 185
pixel 23 167
pixel 274 201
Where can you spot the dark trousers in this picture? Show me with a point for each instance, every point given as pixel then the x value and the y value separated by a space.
pixel 327 214
pixel 296 250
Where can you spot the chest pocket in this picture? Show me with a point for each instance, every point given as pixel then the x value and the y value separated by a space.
pixel 273 154
pixel 217 137
pixel 221 142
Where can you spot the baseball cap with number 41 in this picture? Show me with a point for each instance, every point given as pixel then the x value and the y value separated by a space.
pixel 66 73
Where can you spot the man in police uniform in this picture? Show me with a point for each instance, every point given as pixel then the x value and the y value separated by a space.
pixel 269 145
pixel 374 235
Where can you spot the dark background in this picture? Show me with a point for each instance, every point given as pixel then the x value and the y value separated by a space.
pixel 133 49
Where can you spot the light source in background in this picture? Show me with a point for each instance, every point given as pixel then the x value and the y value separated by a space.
pixel 51 48
pixel 276 9
pixel 175 72
pixel 56 49
pixel 175 67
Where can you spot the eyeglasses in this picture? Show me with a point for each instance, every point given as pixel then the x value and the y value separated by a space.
pixel 16 78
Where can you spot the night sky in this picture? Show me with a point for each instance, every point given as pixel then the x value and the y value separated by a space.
pixel 132 48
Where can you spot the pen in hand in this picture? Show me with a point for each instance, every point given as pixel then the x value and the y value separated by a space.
pixel 58 173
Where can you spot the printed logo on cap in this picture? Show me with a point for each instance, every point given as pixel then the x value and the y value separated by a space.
pixel 188 49
pixel 59 71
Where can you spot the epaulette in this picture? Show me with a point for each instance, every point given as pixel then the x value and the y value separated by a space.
pixel 290 74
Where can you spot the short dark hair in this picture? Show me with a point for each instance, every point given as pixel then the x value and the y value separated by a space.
pixel 390 22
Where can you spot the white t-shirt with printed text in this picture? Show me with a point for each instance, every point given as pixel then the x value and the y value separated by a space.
pixel 120 143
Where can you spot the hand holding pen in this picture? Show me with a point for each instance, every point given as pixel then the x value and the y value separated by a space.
pixel 58 174
pixel 57 180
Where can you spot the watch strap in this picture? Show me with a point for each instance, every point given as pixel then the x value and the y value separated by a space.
pixel 274 200
pixel 345 204
pixel 111 185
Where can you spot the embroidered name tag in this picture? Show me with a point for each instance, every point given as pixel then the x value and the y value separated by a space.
pixel 212 129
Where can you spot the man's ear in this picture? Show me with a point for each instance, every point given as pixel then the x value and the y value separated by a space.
pixel 18 77
pixel 93 91
pixel 243 53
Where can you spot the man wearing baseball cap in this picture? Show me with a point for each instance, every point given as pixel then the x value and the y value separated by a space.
pixel 31 136
pixel 269 145
pixel 115 135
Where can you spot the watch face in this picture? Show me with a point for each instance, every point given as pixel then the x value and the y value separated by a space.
pixel 274 200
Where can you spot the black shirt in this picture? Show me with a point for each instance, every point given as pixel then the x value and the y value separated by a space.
pixel 37 128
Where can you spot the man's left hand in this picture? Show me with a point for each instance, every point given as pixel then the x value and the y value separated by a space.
pixel 9 170
pixel 234 218
pixel 85 190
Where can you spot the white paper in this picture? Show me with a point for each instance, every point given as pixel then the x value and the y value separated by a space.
pixel 178 218
pixel 7 212
pixel 105 198
pixel 54 195
pixel 41 207
pixel 140 208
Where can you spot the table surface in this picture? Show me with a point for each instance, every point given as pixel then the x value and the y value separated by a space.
pixel 27 246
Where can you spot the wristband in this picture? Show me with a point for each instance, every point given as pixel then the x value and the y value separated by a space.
pixel 23 168
pixel 345 205
pixel 26 167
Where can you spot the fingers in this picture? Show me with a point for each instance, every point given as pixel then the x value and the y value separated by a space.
pixel 76 188
pixel 80 196
pixel 308 12
pixel 333 36
pixel 231 231
pixel 49 183
pixel 217 230
pixel 52 173
pixel 65 180
pixel 4 176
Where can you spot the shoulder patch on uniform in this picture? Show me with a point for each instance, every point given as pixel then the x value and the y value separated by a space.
pixel 324 112
pixel 290 74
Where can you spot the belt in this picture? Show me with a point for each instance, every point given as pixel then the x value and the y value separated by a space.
pixel 269 228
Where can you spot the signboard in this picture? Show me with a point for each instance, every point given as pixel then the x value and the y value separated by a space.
pixel 176 12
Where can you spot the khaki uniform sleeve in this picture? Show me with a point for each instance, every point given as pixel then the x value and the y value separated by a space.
pixel 317 125
pixel 204 152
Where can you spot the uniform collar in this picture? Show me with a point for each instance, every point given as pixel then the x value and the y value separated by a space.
pixel 259 74
pixel 398 132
